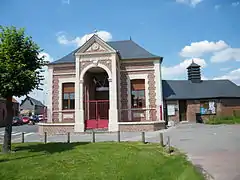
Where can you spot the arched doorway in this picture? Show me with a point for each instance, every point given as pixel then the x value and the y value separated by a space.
pixel 96 98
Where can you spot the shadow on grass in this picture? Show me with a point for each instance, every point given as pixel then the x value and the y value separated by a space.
pixel 49 147
pixel 18 158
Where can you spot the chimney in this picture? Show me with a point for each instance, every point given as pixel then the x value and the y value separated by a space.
pixel 194 72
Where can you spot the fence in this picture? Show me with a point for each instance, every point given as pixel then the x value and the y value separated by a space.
pixel 94 136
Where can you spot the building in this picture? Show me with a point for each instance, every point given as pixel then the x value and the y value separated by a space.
pixel 117 86
pixel 3 110
pixel 197 100
pixel 105 85
pixel 31 106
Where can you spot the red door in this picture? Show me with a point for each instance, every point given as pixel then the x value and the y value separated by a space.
pixel 96 114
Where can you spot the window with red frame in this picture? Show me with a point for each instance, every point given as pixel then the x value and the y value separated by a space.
pixel 138 93
pixel 68 96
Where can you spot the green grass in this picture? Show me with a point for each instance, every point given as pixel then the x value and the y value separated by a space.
pixel 224 120
pixel 100 161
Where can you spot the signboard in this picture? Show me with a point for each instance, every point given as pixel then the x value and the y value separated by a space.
pixel 170 110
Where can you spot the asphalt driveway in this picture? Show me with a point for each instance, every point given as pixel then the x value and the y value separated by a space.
pixel 214 148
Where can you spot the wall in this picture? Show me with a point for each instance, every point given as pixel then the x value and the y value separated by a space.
pixel 228 106
pixel 3 111
pixel 61 71
pixel 129 68
pixel 175 117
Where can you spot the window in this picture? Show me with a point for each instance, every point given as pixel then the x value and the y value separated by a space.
pixel 68 96
pixel 208 107
pixel 138 93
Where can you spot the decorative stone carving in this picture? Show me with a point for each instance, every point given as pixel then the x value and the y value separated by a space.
pixel 95 47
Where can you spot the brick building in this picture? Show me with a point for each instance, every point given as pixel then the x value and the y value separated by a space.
pixel 3 111
pixel 118 86
pixel 105 85
pixel 186 99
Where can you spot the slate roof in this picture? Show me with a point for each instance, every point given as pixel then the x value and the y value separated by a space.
pixel 127 49
pixel 185 89
pixel 34 101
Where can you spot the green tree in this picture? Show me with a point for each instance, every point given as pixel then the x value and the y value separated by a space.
pixel 20 71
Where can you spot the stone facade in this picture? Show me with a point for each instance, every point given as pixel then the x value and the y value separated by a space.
pixel 55 129
pixel 142 127
pixel 58 73
pixel 139 68
pixel 94 57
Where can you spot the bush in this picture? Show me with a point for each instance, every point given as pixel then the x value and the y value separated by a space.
pixel 224 120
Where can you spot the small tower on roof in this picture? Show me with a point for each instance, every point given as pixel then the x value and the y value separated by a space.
pixel 194 72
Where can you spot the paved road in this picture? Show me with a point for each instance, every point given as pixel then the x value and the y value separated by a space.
pixel 29 130
pixel 214 148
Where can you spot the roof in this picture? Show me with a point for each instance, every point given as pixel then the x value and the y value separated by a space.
pixel 193 65
pixel 185 89
pixel 127 49
pixel 34 101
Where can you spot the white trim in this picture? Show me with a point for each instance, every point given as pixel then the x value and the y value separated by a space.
pixel 145 69
pixel 93 65
pixel 60 82
pixel 138 76
pixel 50 84
pixel 158 88
pixel 113 97
pixel 56 124
pixel 141 122
pixel 62 74
pixel 139 60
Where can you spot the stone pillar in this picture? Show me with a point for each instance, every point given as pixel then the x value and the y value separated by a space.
pixel 113 110
pixel 159 90
pixel 79 112
pixel 50 84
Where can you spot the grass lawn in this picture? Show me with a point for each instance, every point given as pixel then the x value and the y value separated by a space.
pixel 101 161
pixel 224 120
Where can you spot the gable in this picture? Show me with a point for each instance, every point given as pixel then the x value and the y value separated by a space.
pixel 94 45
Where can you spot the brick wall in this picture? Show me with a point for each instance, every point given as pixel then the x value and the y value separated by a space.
pixel 55 86
pixel 193 107
pixel 127 69
pixel 141 127
pixel 228 106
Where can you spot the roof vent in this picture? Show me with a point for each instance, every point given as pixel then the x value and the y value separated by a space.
pixel 194 72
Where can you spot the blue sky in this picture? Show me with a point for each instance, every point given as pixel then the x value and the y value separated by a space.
pixel 178 30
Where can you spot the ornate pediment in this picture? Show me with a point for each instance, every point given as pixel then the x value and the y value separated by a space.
pixel 96 47
pixel 94 44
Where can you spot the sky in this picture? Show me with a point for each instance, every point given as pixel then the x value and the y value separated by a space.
pixel 207 31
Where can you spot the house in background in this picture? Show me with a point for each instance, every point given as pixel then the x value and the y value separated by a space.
pixel 31 106
pixel 197 100
pixel 3 110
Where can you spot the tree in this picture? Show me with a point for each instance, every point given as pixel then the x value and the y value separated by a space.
pixel 20 71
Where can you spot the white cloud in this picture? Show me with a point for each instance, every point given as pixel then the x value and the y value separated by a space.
pixel 235 4
pixel 78 41
pixel 233 75
pixel 225 69
pixel 226 55
pixel 192 3
pixel 180 69
pixel 198 49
